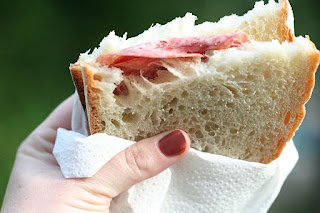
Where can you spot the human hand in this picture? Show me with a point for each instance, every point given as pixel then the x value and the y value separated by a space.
pixel 37 185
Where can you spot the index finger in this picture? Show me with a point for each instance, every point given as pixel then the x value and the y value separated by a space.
pixel 61 116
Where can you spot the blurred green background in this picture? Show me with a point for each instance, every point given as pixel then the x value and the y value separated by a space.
pixel 39 39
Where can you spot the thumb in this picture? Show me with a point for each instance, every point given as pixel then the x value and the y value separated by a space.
pixel 143 160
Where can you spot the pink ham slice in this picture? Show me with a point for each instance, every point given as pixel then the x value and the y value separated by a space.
pixel 145 56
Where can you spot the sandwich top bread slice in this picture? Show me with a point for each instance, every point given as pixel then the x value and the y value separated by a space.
pixel 238 86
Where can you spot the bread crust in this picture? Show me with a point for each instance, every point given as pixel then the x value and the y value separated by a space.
pixel 284 28
pixel 76 75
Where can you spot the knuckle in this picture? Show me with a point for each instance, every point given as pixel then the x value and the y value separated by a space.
pixel 137 162
pixel 26 144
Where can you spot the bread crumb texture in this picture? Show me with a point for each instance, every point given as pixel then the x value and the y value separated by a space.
pixel 243 103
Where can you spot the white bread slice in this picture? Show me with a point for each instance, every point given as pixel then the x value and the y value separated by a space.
pixel 244 103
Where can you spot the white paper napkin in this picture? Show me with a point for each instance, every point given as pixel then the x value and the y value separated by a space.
pixel 201 182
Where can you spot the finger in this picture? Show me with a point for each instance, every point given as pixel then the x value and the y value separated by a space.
pixel 47 130
pixel 61 116
pixel 143 160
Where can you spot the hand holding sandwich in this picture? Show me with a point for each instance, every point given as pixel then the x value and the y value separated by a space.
pixel 37 185
pixel 238 87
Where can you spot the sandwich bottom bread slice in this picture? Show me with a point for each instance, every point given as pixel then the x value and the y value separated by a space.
pixel 244 101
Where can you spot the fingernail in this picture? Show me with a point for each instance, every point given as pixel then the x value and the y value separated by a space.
pixel 173 144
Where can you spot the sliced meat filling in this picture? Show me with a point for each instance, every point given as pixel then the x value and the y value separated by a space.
pixel 145 56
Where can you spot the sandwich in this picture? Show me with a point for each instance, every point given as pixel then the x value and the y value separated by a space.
pixel 238 86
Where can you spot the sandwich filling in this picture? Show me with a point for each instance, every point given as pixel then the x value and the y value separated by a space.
pixel 144 57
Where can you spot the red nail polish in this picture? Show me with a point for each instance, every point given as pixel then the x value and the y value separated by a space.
pixel 173 143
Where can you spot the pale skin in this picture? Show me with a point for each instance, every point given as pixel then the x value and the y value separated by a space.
pixel 37 185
